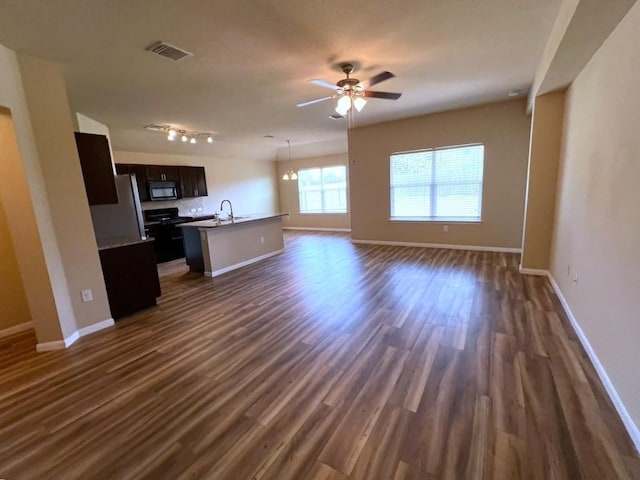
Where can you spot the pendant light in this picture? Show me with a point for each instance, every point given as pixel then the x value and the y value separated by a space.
pixel 290 174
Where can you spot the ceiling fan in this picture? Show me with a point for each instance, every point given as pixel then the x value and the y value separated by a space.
pixel 351 91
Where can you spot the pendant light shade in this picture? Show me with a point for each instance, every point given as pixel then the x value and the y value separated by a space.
pixel 290 174
pixel 359 103
pixel 344 105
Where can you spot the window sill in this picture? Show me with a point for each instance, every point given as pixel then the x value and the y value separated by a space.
pixel 450 220
pixel 323 213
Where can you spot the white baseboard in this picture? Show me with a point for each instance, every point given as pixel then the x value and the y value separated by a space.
pixel 48 346
pixel 62 344
pixel 533 271
pixel 216 273
pixel 628 422
pixel 16 329
pixel 96 327
pixel 439 245
pixel 314 229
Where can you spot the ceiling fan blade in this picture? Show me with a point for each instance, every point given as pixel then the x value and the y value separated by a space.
pixel 385 95
pixel 323 83
pixel 381 77
pixel 311 102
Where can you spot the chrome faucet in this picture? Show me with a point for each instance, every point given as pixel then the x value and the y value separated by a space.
pixel 230 208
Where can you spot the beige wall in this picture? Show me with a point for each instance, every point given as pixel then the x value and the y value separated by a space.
pixel 227 246
pixel 503 128
pixel 544 157
pixel 290 201
pixel 14 308
pixel 249 184
pixel 52 125
pixel 597 232
pixel 23 196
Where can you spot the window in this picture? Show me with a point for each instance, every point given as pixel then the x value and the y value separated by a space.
pixel 323 190
pixel 437 184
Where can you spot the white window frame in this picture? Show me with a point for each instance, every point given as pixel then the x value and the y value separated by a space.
pixel 322 192
pixel 433 187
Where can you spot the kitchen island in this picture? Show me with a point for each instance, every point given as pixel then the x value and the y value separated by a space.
pixel 214 248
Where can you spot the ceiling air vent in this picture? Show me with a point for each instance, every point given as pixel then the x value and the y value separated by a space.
pixel 168 51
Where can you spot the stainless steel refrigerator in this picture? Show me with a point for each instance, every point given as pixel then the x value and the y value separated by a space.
pixel 119 222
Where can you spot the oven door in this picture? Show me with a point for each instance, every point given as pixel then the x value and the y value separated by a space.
pixel 163 191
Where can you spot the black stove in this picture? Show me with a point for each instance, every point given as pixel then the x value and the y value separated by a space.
pixel 164 216
pixel 161 224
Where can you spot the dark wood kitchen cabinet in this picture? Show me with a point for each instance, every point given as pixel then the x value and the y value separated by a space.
pixel 131 277
pixel 97 168
pixel 163 173
pixel 140 172
pixel 193 182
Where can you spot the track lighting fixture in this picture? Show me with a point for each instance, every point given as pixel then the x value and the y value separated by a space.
pixel 186 136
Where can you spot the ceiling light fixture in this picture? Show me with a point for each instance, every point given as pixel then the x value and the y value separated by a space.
pixel 351 92
pixel 290 174
pixel 350 98
pixel 172 133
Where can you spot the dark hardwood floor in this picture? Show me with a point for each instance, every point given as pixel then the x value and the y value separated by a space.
pixel 330 361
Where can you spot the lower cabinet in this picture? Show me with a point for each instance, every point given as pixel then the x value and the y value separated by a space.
pixel 131 277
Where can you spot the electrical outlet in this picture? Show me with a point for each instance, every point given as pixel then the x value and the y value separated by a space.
pixel 261 239
pixel 87 295
pixel 199 209
pixel 445 228
pixel 575 278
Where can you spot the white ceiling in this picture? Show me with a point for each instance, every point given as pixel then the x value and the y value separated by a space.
pixel 252 60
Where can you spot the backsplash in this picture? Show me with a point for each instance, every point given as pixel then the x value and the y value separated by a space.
pixel 184 205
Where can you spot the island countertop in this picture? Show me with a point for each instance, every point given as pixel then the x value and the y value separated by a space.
pixel 229 223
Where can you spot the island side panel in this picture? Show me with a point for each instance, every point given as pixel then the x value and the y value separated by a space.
pixel 237 245
pixel 191 237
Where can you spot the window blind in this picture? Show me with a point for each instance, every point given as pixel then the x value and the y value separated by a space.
pixel 438 184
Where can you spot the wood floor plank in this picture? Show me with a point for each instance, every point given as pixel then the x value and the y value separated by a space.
pixel 329 361
pixel 346 444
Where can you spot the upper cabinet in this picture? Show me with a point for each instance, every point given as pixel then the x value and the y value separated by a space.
pixel 97 168
pixel 191 181
pixel 163 173
pixel 140 172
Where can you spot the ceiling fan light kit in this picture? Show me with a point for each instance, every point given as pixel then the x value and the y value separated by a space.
pixel 350 92
pixel 186 136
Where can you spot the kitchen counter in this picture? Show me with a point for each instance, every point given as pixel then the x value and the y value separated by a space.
pixel 238 220
pixel 215 248
pixel 121 242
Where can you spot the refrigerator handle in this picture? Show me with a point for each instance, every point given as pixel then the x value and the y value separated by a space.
pixel 137 206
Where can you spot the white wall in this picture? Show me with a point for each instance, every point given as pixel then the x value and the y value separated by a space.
pixel 597 226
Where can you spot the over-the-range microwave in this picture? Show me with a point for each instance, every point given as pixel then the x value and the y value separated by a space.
pixel 163 190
